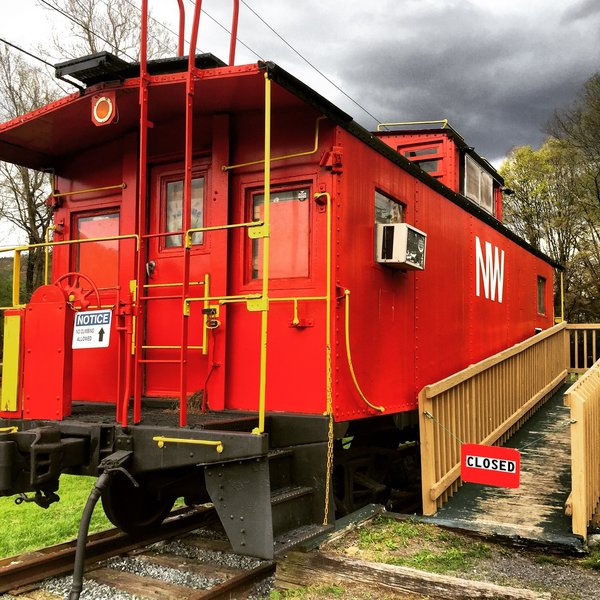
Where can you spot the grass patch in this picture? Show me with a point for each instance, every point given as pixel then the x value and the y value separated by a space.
pixel 28 527
pixel 592 561
pixel 307 593
pixel 419 545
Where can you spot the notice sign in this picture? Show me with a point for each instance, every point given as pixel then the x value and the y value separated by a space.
pixel 92 329
pixel 490 465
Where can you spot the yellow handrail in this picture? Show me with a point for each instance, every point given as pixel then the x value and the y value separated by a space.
pixel 16 290
pixel 328 367
pixel 349 356
pixel 296 155
pixel 119 186
pixel 162 441
pixel 46 261
pixel 262 390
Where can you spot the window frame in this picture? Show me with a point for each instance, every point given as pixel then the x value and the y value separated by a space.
pixel 466 181
pixel 438 155
pixel 541 295
pixel 249 194
pixel 171 176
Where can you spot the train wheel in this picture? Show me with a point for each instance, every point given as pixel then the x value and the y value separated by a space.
pixel 134 510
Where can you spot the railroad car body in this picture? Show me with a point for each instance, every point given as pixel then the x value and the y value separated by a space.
pixel 160 347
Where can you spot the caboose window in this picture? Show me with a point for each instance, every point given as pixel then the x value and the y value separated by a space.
pixel 387 210
pixel 98 260
pixel 289 256
pixel 173 207
pixel 479 185
pixel 428 165
pixel 541 295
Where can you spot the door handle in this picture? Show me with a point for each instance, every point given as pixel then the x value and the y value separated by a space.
pixel 150 268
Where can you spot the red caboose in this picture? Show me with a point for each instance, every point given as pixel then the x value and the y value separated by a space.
pixel 240 275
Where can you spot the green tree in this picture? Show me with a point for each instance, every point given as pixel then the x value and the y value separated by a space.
pixel 547 211
pixel 23 192
pixel 556 205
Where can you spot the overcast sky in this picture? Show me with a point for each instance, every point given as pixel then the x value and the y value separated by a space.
pixel 497 69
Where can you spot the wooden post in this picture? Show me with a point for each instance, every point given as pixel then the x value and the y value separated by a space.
pixel 426 428
pixel 578 465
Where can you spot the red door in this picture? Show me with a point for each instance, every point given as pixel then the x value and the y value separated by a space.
pixel 296 365
pixel 208 265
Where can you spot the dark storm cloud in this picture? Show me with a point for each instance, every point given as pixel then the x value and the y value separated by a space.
pixel 582 10
pixel 498 71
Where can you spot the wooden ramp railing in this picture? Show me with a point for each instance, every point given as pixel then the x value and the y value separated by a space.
pixel 584 346
pixel 484 404
pixel 583 398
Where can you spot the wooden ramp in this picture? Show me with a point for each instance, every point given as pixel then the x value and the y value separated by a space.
pixel 534 512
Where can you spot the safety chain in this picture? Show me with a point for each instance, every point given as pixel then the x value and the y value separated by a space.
pixel 330 437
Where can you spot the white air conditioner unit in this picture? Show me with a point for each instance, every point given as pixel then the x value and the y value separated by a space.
pixel 401 246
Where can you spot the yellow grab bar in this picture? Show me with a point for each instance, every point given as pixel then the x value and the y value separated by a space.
pixel 9 429
pixel 296 155
pixel 162 441
pixel 264 308
pixel 119 186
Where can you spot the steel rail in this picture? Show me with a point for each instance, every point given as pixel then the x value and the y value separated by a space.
pixel 53 561
pixel 237 584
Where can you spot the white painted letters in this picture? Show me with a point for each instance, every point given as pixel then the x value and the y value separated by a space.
pixel 490 271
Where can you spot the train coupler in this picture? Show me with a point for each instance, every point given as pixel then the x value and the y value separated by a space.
pixel 41 498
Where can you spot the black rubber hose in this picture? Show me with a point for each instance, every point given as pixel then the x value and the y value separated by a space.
pixel 84 526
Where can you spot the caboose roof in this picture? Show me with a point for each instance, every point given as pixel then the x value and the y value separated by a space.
pixel 45 138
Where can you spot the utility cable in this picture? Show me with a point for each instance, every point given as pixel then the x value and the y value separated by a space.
pixel 26 52
pixel 337 87
pixel 228 31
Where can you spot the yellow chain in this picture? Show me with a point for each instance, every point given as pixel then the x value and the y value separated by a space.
pixel 330 437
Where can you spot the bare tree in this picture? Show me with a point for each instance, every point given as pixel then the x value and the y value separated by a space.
pixel 23 192
pixel 111 25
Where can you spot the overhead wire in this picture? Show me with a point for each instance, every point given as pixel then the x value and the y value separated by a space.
pixel 26 52
pixel 38 58
pixel 257 54
pixel 228 31
pixel 300 55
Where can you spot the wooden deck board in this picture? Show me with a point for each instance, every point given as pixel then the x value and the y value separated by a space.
pixel 535 510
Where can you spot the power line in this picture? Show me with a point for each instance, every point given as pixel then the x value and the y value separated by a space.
pixel 229 32
pixel 308 62
pixel 26 52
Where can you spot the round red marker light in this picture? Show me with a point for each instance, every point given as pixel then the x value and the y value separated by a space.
pixel 103 109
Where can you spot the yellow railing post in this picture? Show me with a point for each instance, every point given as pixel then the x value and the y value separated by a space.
pixel 262 393
pixel 16 289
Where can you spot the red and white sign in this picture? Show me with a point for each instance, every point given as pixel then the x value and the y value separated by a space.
pixel 490 465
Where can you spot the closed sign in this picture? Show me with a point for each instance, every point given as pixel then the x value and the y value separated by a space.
pixel 490 465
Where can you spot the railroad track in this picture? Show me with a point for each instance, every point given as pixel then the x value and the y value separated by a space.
pixel 129 564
